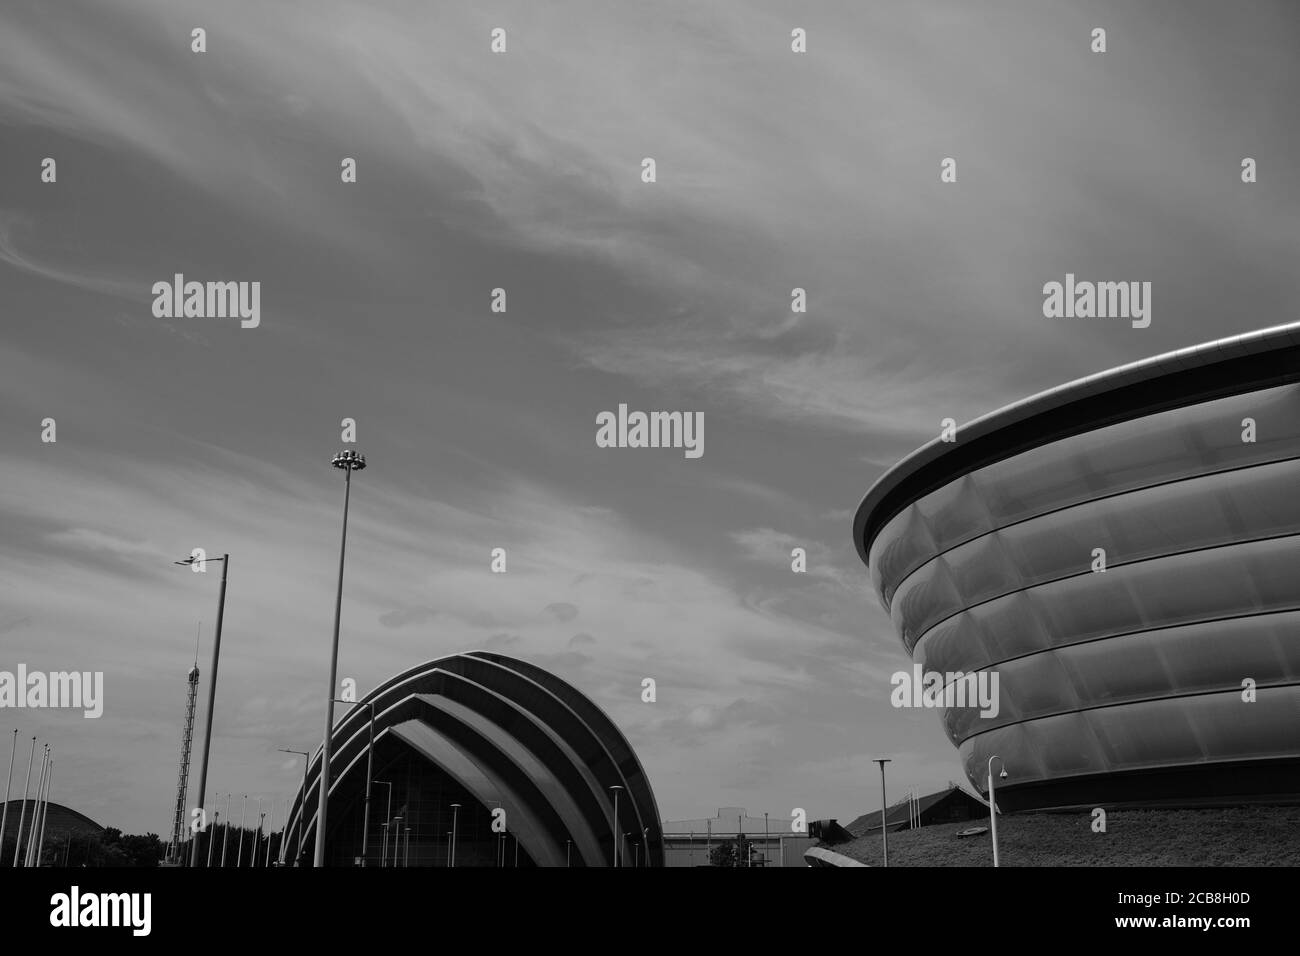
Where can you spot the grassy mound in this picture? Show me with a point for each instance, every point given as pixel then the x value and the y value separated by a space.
pixel 1233 836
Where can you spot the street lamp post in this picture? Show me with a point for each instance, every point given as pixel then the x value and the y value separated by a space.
pixel 225 833
pixel 455 814
pixel 4 817
pixel 270 829
pixel 212 693
pixel 383 860
pixel 45 812
pixel 370 769
pixel 215 823
pixel 993 805
pixel 243 812
pixel 884 830
pixel 36 806
pixel 615 789
pixel 348 461
pixel 22 816
pixel 302 810
pixel 257 839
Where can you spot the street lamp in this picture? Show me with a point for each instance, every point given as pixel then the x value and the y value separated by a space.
pixel 22 816
pixel 211 838
pixel 370 769
pixel 455 813
pixel 348 461
pixel 36 806
pixel 387 816
pixel 212 688
pixel 615 789
pixel 225 833
pixel 270 831
pixel 45 812
pixel 302 810
pixel 993 806
pixel 239 860
pixel 257 837
pixel 4 817
pixel 884 830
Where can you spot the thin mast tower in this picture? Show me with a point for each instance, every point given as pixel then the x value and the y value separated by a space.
pixel 187 740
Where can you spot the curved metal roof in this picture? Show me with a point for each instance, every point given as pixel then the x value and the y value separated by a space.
pixel 513 735
pixel 1227 366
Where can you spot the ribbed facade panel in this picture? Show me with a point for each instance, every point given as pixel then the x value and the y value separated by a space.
pixel 1125 683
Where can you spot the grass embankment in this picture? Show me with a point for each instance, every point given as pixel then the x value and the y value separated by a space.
pixel 1235 836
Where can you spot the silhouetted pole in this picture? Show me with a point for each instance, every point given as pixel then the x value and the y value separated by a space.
pixel 993 806
pixel 225 833
pixel 302 810
pixel 212 841
pixel 370 772
pixel 616 788
pixel 36 806
pixel 347 460
pixel 269 830
pixel 27 785
pixel 455 813
pixel 884 830
pixel 4 817
pixel 45 812
pixel 257 842
pixel 239 859
pixel 212 700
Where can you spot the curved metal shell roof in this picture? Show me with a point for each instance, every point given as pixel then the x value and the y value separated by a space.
pixel 513 735
pixel 1212 370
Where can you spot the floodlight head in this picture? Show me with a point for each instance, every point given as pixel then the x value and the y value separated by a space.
pixel 1003 774
pixel 349 460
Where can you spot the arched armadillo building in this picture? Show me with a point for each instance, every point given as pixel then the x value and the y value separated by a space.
pixel 1130 684
pixel 501 738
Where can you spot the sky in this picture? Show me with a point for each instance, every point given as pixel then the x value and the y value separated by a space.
pixel 522 170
